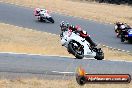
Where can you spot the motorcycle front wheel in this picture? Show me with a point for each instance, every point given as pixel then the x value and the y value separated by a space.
pixel 76 49
pixel 99 54
pixel 51 20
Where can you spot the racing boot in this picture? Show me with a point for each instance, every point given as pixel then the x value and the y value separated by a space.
pixel 92 44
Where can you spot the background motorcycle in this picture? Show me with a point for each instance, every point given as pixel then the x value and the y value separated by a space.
pixel 119 30
pixel 45 17
pixel 126 36
pixel 78 46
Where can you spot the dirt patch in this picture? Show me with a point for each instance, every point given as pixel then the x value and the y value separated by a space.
pixel 95 11
pixel 23 40
pixel 37 83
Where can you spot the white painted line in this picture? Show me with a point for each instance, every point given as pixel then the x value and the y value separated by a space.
pixel 108 60
pixel 119 61
pixel 123 50
pixel 63 72
pixel 106 46
pixel 117 49
pixel 13 53
pixel 127 51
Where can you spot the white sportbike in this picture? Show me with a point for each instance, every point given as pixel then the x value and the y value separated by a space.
pixel 79 47
pixel 44 16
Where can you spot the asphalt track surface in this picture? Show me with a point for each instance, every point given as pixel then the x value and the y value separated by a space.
pixel 54 65
pixel 21 16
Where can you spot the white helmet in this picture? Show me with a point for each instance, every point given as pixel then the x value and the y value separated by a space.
pixel 38 9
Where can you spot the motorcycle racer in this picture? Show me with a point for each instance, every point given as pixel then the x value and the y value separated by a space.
pixel 43 15
pixel 121 27
pixel 79 30
pixel 63 26
pixel 83 34
pixel 122 30
pixel 38 10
